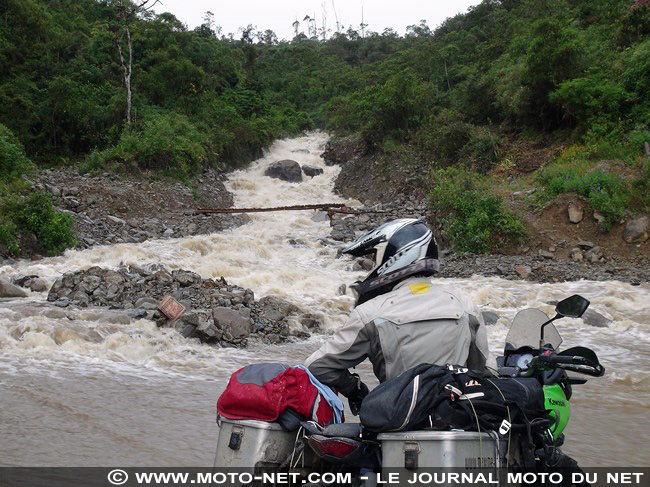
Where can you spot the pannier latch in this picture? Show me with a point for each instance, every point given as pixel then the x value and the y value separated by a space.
pixel 235 438
pixel 411 452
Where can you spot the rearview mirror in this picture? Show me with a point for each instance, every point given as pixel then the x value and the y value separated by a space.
pixel 572 307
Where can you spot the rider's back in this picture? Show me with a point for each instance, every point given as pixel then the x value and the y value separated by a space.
pixel 420 321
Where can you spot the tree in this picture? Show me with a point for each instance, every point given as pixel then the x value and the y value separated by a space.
pixel 126 12
pixel 208 28
pixel 362 25
pixel 336 18
pixel 553 56
pixel 268 37
pixel 311 26
pixel 248 34
pixel 420 30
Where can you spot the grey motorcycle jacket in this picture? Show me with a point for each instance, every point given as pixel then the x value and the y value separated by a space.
pixel 419 321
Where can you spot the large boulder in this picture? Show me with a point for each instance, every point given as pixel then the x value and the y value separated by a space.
pixel 311 171
pixel 586 245
pixel 576 254
pixel 89 283
pixel 233 322
pixel 576 212
pixel 187 278
pixel 286 170
pixel 197 323
pixel 9 290
pixel 594 318
pixel 146 303
pixel 275 309
pixel 35 283
pixel 636 231
pixel 341 150
pixel 38 285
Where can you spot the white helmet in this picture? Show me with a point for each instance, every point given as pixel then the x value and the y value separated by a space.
pixel 401 248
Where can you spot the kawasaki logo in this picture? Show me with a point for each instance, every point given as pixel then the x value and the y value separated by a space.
pixel 553 402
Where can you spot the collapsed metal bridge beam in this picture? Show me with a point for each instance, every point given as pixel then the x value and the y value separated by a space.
pixel 321 206
pixel 330 208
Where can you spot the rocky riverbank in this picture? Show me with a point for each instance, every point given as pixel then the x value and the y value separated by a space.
pixel 373 178
pixel 543 269
pixel 215 311
pixel 110 209
pixel 563 246
pixel 589 260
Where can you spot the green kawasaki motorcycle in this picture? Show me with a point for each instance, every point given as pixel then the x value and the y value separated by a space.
pixel 533 350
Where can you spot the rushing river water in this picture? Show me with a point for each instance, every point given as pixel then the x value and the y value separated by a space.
pixel 91 388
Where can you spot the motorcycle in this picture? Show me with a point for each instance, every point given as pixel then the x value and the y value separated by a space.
pixel 532 350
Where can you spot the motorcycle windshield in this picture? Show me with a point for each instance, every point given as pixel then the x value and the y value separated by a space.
pixel 526 328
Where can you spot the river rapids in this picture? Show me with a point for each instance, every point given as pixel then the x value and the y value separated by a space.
pixel 88 388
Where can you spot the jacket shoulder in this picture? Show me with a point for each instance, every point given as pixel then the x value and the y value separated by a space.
pixel 416 300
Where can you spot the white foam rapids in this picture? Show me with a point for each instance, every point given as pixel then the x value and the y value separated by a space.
pixel 70 371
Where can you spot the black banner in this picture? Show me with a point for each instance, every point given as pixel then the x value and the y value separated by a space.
pixel 131 477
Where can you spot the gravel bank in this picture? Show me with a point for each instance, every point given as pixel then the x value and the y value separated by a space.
pixel 109 209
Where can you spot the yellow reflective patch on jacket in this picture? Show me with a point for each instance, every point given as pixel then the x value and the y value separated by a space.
pixel 419 287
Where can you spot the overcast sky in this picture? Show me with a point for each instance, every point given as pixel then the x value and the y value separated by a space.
pixel 278 15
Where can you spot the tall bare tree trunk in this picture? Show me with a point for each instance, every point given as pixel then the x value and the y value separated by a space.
pixel 336 17
pixel 447 76
pixel 127 66
pixel 125 15
pixel 126 70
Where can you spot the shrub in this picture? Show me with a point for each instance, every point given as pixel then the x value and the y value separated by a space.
pixel 26 217
pixel 13 161
pixel 473 219
pixel 35 215
pixel 444 135
pixel 637 140
pixel 483 149
pixel 605 191
pixel 8 240
pixel 166 141
pixel 583 99
pixel 390 110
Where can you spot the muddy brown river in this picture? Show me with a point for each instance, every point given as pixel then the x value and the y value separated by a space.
pixel 87 388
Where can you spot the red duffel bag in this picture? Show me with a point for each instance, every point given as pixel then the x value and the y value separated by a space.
pixel 264 392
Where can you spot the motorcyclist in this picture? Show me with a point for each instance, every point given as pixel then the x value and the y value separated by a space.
pixel 402 317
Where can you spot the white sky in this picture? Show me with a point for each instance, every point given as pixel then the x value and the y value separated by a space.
pixel 278 15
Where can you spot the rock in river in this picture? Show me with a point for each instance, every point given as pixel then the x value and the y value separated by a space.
pixel 216 311
pixel 594 318
pixel 8 290
pixel 233 322
pixel 286 170
pixel 311 171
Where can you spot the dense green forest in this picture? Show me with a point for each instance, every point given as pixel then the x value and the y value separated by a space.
pixel 571 72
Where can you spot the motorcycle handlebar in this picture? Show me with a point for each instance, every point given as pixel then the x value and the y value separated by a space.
pixel 562 359
pixel 597 370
